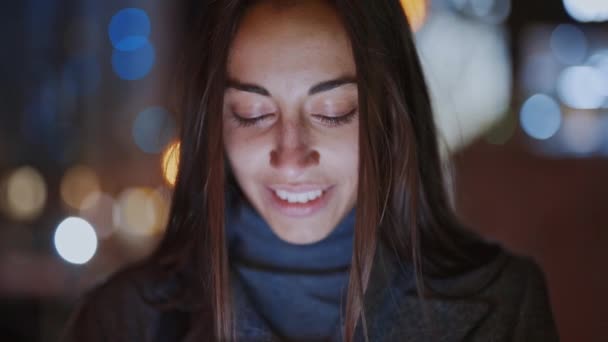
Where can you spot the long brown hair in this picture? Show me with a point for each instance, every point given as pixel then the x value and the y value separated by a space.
pixel 401 199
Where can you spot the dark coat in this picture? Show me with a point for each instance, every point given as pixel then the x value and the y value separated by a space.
pixel 512 307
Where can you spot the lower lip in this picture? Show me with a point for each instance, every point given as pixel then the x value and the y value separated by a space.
pixel 300 209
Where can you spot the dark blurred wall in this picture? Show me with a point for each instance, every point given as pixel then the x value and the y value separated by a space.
pixel 553 210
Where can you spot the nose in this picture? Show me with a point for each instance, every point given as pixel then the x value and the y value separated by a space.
pixel 293 153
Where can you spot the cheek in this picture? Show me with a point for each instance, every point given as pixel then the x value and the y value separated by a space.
pixel 233 148
pixel 342 154
pixel 351 146
pixel 243 154
pixel 353 160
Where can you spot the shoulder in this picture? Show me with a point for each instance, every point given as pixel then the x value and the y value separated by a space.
pixel 519 302
pixel 502 299
pixel 518 275
pixel 506 299
pixel 119 305
pixel 504 274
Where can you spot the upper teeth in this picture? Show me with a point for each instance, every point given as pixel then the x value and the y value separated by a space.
pixel 299 197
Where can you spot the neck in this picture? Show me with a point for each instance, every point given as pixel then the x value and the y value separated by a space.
pixel 299 289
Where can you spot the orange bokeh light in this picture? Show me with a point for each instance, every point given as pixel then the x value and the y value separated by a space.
pixel 416 12
pixel 170 163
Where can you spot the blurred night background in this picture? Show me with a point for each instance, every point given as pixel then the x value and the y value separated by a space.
pixel 88 141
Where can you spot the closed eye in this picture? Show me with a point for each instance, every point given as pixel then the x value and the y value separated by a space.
pixel 246 122
pixel 331 121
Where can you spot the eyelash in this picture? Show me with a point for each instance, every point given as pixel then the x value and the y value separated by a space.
pixel 328 120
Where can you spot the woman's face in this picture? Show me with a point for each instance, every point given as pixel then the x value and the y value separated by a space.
pixel 291 118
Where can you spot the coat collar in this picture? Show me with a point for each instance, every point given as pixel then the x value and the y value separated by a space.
pixel 394 310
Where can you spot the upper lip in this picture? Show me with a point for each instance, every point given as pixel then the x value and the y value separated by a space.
pixel 302 187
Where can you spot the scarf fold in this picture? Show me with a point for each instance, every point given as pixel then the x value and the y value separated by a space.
pixel 299 290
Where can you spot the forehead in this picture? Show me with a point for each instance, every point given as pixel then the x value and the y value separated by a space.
pixel 304 40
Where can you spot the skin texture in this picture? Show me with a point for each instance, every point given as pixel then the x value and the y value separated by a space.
pixel 284 51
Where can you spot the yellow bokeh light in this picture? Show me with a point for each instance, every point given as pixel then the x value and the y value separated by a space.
pixel 140 212
pixel 24 194
pixel 170 163
pixel 78 183
pixel 416 12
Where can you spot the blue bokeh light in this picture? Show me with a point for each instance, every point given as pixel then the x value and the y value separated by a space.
pixel 153 129
pixel 129 29
pixel 541 116
pixel 569 44
pixel 133 65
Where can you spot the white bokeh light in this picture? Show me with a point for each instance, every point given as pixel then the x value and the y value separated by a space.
pixel 153 129
pixel 75 240
pixel 491 11
pixel 471 90
pixel 599 61
pixel 587 10
pixel 581 87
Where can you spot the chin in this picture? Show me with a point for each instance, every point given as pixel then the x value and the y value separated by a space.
pixel 300 233
pixel 302 236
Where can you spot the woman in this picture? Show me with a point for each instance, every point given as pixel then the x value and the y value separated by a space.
pixel 310 203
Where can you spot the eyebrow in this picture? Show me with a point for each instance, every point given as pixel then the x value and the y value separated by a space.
pixel 317 88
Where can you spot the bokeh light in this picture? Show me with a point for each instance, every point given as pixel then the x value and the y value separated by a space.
pixel 491 11
pixel 133 64
pixel 78 183
pixel 140 212
pixel 581 87
pixel 471 90
pixel 129 29
pixel 416 12
pixel 170 163
pixel 494 10
pixel 587 10
pixel 75 240
pixel 540 116
pixel 24 194
pixel 153 129
pixel 569 44
pixel 599 61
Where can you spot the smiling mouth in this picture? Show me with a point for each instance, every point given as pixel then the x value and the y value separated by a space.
pixel 301 200
pixel 299 197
